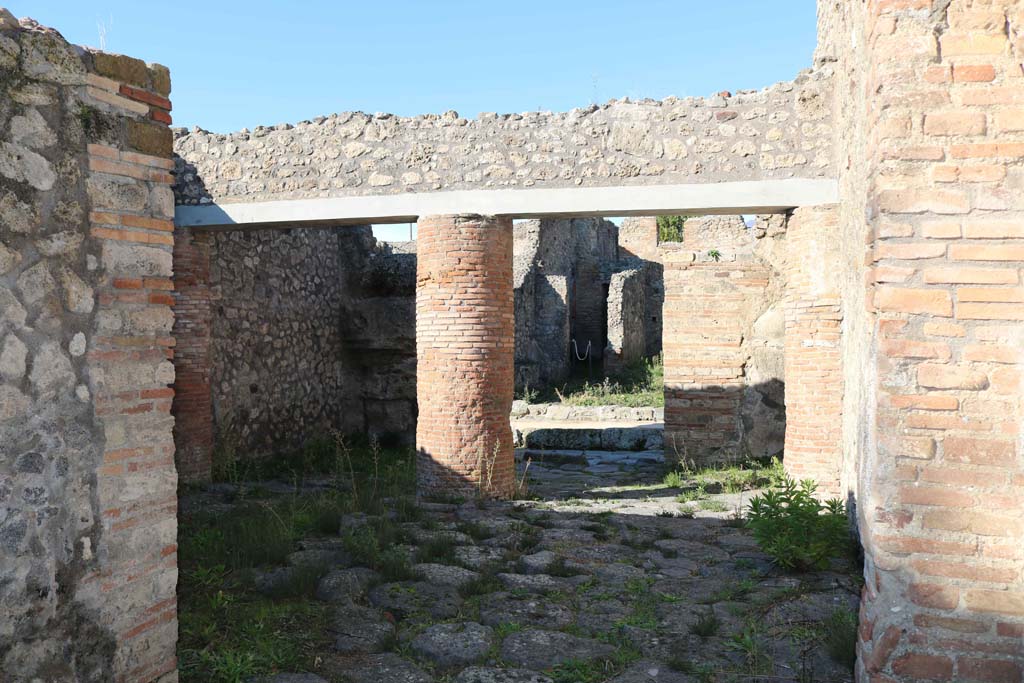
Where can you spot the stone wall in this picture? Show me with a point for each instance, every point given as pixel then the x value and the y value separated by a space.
pixel 278 374
pixel 380 340
pixel 626 308
pixel 783 131
pixel 560 270
pixel 638 248
pixel 295 333
pixel 933 150
pixel 87 480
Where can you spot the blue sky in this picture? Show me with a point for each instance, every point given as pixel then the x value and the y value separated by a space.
pixel 243 64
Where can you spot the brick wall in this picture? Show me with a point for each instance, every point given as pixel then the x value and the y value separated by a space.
pixel 193 319
pixel 707 311
pixel 464 354
pixel 934 152
pixel 813 358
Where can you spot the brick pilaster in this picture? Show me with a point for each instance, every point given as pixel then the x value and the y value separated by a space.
pixel 814 373
pixel 464 352
pixel 130 367
pixel 193 403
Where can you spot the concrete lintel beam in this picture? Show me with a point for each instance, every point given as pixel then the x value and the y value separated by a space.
pixel 748 197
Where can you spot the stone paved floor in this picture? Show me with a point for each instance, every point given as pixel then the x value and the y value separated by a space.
pixel 594 582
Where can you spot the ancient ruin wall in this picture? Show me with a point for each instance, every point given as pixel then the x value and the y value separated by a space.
pixel 723 342
pixel 625 314
pixel 290 334
pixel 559 269
pixel 934 155
pixel 638 248
pixel 783 131
pixel 87 481
pixel 278 374
pixel 379 334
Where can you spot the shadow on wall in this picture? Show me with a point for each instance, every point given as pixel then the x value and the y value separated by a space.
pixel 714 425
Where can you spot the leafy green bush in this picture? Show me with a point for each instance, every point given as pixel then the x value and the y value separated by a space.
pixel 670 228
pixel 796 529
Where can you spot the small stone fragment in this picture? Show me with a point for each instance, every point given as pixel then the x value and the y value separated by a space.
pixel 12 359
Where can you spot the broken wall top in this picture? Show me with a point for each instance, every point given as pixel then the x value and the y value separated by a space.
pixel 781 132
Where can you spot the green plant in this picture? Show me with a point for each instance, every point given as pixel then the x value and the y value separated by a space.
pixel 670 228
pixel 506 629
pixel 841 637
pixel 558 567
pixel 713 506
pixel 487 582
pixel 673 480
pixel 754 652
pixel 475 530
pixel 796 529
pixel 693 495
pixel 715 254
pixel 706 625
pixel 394 565
pixel 528 395
pixel 439 549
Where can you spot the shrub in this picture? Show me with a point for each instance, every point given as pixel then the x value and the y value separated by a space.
pixel 670 228
pixel 796 529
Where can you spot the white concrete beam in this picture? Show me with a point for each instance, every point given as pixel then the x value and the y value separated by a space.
pixel 762 196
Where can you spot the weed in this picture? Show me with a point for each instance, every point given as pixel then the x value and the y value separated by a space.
pixel 840 631
pixel 713 506
pixel 707 625
pixel 487 582
pixel 475 530
pixel 601 532
pixel 692 495
pixel 640 384
pixel 394 565
pixel 673 480
pixel 440 549
pixel 749 643
pixel 797 530
pixel 688 511
pixel 558 567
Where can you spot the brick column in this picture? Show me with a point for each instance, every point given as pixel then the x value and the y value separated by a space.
pixel 814 373
pixel 464 355
pixel 941 494
pixel 192 407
